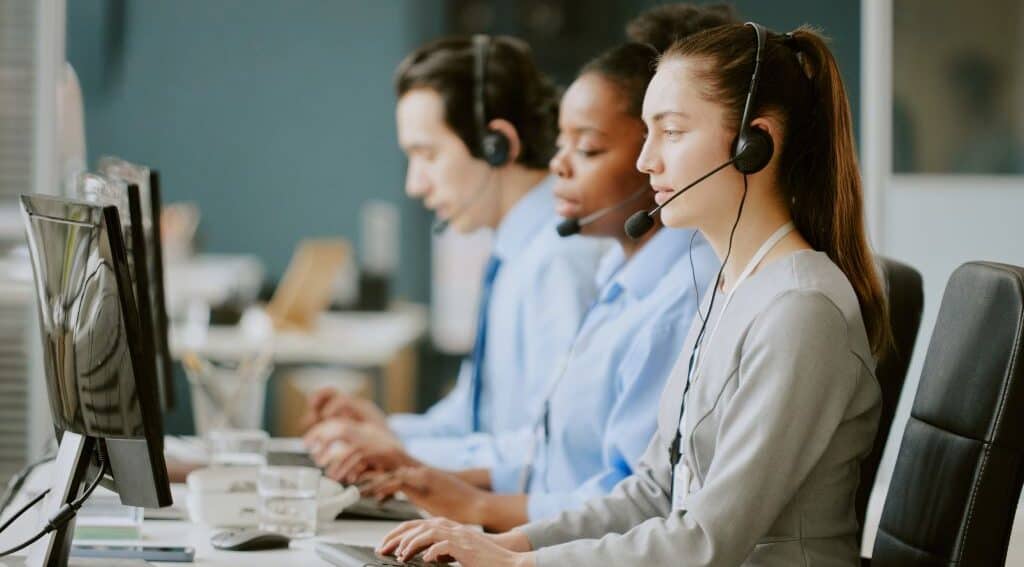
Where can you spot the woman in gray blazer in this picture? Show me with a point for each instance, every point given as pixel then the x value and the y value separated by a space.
pixel 773 401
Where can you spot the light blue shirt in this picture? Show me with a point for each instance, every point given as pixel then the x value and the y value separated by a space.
pixel 540 295
pixel 603 410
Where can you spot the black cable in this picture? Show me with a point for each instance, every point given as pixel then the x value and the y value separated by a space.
pixel 675 450
pixel 63 515
pixel 718 280
pixel 18 480
pixel 24 509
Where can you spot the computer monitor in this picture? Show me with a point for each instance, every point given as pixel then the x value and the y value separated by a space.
pixel 102 190
pixel 103 397
pixel 148 182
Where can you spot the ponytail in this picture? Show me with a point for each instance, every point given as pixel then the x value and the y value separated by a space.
pixel 830 211
pixel 818 172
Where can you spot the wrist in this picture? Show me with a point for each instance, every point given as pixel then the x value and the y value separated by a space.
pixel 408 460
pixel 513 540
pixel 526 559
pixel 483 508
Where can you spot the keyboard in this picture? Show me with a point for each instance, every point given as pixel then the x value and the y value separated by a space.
pixel 387 511
pixel 290 459
pixel 344 555
pixel 366 508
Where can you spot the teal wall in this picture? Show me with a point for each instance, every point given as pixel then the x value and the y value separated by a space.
pixel 275 116
pixel 837 19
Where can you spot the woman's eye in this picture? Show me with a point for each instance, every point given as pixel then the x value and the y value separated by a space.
pixel 673 134
pixel 586 152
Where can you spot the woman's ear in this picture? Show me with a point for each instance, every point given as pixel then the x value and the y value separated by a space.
pixel 515 145
pixel 774 128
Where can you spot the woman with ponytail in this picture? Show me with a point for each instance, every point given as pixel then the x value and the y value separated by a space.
pixel 596 419
pixel 773 401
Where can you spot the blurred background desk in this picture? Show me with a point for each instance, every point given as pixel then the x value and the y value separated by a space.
pixel 367 353
pixel 213 279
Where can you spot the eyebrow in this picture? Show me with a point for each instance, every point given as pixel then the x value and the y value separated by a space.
pixel 589 130
pixel 416 146
pixel 666 113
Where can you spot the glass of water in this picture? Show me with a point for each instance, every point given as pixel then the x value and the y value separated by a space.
pixel 288 500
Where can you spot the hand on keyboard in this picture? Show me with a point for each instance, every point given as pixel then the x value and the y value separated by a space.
pixel 345 555
pixel 438 539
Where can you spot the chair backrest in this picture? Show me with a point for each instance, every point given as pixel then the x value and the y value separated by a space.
pixel 905 294
pixel 960 468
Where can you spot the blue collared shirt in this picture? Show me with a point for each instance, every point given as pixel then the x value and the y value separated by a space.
pixel 540 295
pixel 603 410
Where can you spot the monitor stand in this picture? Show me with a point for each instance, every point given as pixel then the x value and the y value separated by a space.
pixel 70 472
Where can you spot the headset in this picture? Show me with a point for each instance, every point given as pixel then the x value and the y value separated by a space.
pixel 752 151
pixel 754 147
pixel 494 145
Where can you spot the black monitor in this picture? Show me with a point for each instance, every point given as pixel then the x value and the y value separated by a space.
pixel 103 396
pixel 154 312
pixel 161 323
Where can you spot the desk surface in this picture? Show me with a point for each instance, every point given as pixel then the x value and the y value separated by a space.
pixel 183 533
pixel 300 554
pixel 180 533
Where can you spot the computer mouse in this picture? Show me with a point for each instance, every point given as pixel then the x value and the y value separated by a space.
pixel 249 540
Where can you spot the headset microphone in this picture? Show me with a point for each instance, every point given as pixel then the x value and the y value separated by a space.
pixel 642 221
pixel 569 227
pixel 494 145
pixel 440 225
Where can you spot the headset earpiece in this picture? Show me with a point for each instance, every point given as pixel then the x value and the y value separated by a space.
pixel 495 148
pixel 494 145
pixel 753 149
pixel 754 146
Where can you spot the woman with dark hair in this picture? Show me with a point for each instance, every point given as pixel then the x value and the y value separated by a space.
pixel 773 402
pixel 477 120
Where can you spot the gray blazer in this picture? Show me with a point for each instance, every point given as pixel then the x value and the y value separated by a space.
pixel 782 410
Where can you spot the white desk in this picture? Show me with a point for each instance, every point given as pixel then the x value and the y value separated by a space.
pixel 300 554
pixel 179 533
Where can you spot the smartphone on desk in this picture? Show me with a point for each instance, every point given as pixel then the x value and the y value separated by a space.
pixel 166 553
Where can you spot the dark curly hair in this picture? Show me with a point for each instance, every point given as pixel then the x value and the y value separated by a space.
pixel 515 90
pixel 664 25
pixel 630 66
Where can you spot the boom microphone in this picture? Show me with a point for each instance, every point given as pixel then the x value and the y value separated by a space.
pixel 569 227
pixel 642 221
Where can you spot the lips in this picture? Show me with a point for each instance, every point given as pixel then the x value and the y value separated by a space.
pixel 662 193
pixel 567 208
pixel 440 210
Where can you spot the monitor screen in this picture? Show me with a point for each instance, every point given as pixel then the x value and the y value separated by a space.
pixel 91 341
pixel 148 185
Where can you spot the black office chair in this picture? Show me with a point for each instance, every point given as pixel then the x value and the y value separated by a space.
pixel 905 294
pixel 960 468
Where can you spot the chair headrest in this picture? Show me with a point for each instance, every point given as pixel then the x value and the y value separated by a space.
pixel 974 357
